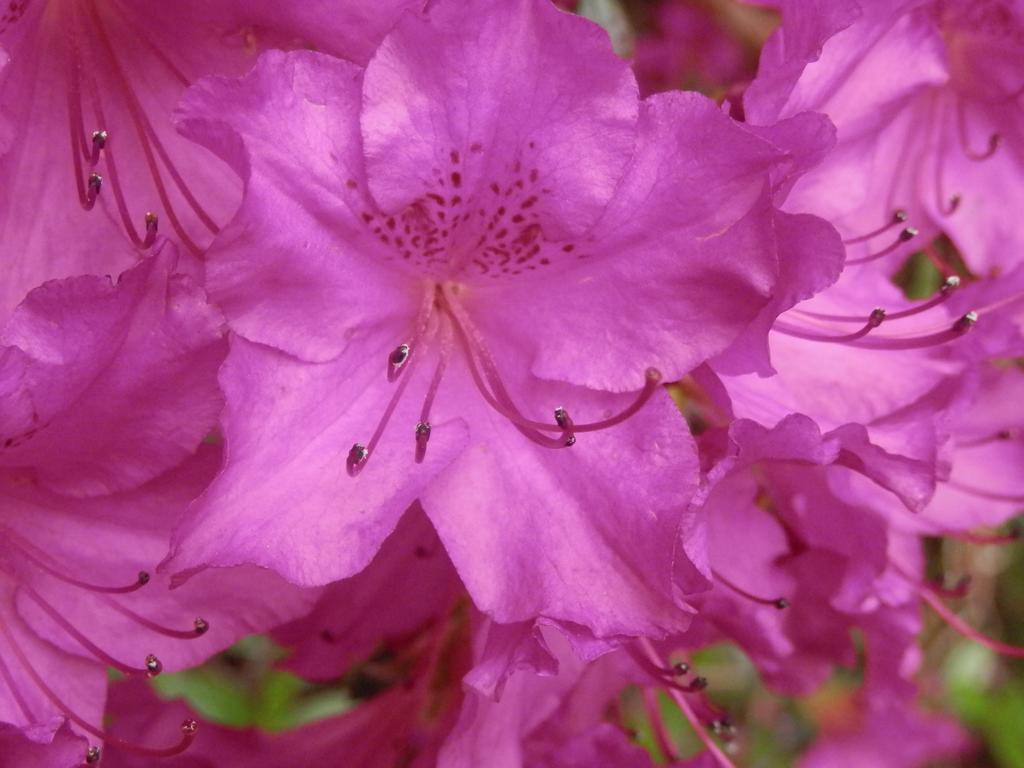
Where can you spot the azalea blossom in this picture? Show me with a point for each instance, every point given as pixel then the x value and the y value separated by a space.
pixel 89 494
pixel 85 99
pixel 936 149
pixel 452 243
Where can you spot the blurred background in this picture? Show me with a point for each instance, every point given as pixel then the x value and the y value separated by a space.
pixel 710 46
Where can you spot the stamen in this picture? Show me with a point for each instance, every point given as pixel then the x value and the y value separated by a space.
pixel 966 629
pixel 149 142
pixel 780 603
pixel 687 711
pixel 359 453
pixel 188 727
pixel 894 343
pixel 152 224
pixel 874 320
pixel 474 348
pixel 99 141
pixel 504 406
pixel 94 185
pixel 652 379
pixel 995 437
pixel 396 360
pixel 906 234
pixel 92 755
pixel 199 626
pixel 899 216
pixel 30 552
pixel 357 456
pixel 950 285
pixel 153 666
pixel 399 356
pixel 966 322
pixel 946 204
pixel 994 139
pixel 660 731
pixel 563 420
pixel 422 437
pixel 84 641
pixel 423 427
pixel 76 125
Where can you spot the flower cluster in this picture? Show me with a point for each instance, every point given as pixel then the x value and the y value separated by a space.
pixel 432 347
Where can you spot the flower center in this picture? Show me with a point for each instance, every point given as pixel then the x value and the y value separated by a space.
pixel 491 231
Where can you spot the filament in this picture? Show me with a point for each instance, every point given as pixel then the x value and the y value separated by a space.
pixel 199 626
pixel 423 426
pixel 966 629
pixel 899 216
pixel 946 205
pixel 776 602
pixel 82 640
pixel 359 453
pixel 188 728
pixel 906 234
pixel 473 345
pixel 146 135
pixel 660 731
pixel 38 558
pixel 994 139
pixel 688 713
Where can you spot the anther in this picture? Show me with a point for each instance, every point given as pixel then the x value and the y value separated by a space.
pixel 966 322
pixel 994 140
pixel 357 456
pixel 782 603
pixel 908 233
pixel 201 625
pixel 898 217
pixel 422 438
pixel 92 755
pixel 99 141
pixel 698 684
pixel 189 727
pixel 153 666
pixel 143 578
pixel 876 317
pixel 152 224
pixel 724 727
pixel 398 357
pixel 949 285
pixel 563 420
pixel 953 205
pixel 94 186
pixel 680 668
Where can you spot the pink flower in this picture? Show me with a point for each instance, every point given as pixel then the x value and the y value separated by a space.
pixel 482 226
pixel 939 143
pixel 66 748
pixel 91 487
pixel 691 47
pixel 106 76
pixel 888 736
